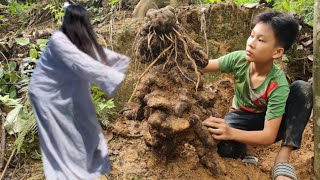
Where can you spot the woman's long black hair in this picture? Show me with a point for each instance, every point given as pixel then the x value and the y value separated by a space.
pixel 77 27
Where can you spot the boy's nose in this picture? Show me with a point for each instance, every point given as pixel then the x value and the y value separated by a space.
pixel 250 43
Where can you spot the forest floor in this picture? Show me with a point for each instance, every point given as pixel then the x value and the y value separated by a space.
pixel 132 159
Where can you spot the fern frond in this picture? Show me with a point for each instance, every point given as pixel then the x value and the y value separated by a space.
pixel 30 126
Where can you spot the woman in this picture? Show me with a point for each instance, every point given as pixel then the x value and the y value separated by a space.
pixel 71 139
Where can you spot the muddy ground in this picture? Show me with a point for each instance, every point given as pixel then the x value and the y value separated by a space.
pixel 132 159
pixel 226 30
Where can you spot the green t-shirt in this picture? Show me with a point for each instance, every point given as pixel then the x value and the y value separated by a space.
pixel 270 96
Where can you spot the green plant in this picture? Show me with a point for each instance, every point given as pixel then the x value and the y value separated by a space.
pixel 20 120
pixel 21 10
pixel 14 81
pixel 8 77
pixel 35 48
pixel 299 7
pixel 98 13
pixel 114 5
pixel 113 2
pixel 57 11
pixel 2 18
pixel 303 8
pixel 105 108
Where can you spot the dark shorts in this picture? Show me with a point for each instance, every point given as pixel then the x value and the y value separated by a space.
pixel 294 121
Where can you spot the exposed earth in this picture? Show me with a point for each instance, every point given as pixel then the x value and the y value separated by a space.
pixel 162 138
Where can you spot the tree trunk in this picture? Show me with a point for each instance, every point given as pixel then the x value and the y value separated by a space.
pixel 316 88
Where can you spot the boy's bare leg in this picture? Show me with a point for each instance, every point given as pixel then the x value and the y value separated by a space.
pixel 250 150
pixel 283 156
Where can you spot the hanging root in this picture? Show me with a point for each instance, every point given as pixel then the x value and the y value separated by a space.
pixel 148 68
pixel 186 50
pixel 163 31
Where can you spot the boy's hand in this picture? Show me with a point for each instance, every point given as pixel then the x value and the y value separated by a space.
pixel 219 128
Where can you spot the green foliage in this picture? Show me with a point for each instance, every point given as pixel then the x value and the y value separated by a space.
pixel 20 10
pixel 98 13
pixel 57 11
pixel 35 48
pixel 14 80
pixel 19 120
pixel 105 108
pixel 245 1
pixel 236 1
pixel 113 2
pixel 8 77
pixel 299 7
pixel 302 8
pixel 2 17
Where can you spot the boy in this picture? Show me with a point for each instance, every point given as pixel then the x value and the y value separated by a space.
pixel 264 109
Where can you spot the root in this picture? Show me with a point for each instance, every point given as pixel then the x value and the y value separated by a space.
pixel 175 59
pixel 150 35
pixel 186 49
pixel 165 64
pixel 204 29
pixel 148 68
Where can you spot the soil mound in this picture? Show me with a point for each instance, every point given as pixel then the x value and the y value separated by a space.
pixel 171 95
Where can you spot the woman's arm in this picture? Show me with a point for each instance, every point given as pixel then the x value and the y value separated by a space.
pixel 106 77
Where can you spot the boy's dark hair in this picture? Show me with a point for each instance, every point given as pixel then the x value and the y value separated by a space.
pixel 285 27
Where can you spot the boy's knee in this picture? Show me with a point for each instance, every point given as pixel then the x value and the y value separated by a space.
pixel 231 149
pixel 303 88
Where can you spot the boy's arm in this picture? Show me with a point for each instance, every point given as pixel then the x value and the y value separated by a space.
pixel 213 66
pixel 221 131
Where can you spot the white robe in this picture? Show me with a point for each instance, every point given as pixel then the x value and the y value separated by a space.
pixel 71 139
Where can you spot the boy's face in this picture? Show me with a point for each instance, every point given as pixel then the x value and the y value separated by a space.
pixel 261 45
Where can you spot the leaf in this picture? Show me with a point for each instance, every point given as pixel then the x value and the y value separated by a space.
pixel 13 123
pixel 33 53
pixel 3 6
pixel 59 15
pixel 285 58
pixel 112 2
pixel 13 92
pixel 1 72
pixel 286 6
pixel 42 47
pixel 13 65
pixel 22 41
pixel 110 104
pixel 13 77
pixel 4 99
pixel 4 89
pixel 300 47
pixel 42 41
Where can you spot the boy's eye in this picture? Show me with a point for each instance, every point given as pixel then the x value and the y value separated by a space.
pixel 261 40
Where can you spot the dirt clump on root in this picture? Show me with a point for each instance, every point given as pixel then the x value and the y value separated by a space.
pixel 170 93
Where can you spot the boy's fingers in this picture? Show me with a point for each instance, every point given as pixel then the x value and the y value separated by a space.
pixel 213 120
pixel 217 120
pixel 210 124
pixel 217 137
pixel 215 131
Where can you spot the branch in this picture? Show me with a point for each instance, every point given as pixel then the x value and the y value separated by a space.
pixel 3 140
pixel 5 169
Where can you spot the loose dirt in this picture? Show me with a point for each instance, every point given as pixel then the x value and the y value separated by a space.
pixel 165 141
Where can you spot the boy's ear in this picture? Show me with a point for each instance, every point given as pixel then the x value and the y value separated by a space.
pixel 278 52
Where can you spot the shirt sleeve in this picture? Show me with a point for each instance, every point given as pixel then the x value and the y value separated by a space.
pixel 277 102
pixel 228 62
pixel 117 61
pixel 108 78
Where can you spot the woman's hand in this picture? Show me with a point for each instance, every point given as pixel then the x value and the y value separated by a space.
pixel 218 128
